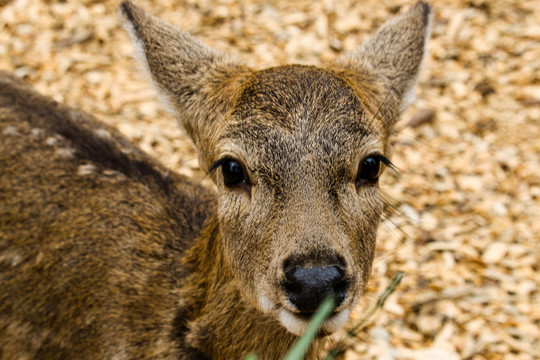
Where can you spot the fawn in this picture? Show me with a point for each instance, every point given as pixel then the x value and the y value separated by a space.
pixel 107 254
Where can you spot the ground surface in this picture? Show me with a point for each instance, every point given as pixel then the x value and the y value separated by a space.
pixel 466 226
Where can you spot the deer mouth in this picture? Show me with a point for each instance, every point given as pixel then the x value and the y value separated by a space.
pixel 297 323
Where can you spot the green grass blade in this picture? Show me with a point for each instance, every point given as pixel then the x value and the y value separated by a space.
pixel 251 357
pixel 299 349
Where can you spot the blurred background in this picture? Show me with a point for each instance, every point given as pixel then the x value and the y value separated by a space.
pixel 463 214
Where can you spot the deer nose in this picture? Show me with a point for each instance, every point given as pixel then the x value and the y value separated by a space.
pixel 306 288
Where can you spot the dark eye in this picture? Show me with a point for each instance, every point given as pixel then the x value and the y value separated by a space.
pixel 369 170
pixel 233 173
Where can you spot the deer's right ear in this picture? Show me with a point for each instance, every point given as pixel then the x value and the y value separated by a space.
pixel 395 53
pixel 195 82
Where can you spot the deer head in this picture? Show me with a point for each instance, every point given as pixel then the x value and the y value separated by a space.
pixel 296 153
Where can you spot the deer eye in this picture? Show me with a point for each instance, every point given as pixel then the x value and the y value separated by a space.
pixel 369 170
pixel 233 173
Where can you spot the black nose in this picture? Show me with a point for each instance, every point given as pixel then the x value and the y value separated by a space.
pixel 306 288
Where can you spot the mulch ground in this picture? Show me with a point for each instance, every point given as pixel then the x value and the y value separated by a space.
pixel 464 205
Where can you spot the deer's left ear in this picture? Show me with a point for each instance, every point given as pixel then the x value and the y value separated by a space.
pixel 195 82
pixel 394 54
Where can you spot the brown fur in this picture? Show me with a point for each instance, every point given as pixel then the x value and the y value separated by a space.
pixel 105 253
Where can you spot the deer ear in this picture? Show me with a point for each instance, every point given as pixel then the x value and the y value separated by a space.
pixel 195 82
pixel 394 54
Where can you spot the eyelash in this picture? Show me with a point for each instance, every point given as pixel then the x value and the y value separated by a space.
pixel 384 160
pixel 217 164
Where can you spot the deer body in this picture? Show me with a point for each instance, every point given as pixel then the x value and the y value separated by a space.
pixel 105 253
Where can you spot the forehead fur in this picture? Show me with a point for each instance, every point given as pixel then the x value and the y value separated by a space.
pixel 300 96
pixel 305 103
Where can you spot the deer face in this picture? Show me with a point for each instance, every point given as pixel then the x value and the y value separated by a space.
pixel 297 163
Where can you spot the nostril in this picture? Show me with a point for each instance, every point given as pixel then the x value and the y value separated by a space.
pixel 340 290
pixel 289 270
pixel 306 288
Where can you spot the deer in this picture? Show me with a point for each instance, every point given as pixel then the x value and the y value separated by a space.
pixel 105 253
